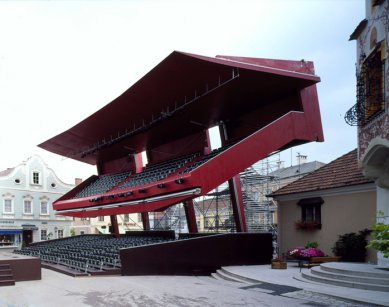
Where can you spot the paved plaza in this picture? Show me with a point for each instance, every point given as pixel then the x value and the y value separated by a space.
pixel 56 289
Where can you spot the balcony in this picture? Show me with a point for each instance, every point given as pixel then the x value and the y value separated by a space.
pixel 370 91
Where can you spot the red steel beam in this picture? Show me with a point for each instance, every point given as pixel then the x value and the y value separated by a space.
pixel 190 216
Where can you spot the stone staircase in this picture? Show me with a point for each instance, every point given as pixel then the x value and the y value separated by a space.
pixel 6 275
pixel 351 275
pixel 223 274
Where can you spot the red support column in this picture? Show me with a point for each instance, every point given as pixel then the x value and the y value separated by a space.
pixel 235 190
pixel 190 216
pixel 138 162
pixel 145 220
pixel 115 226
pixel 237 203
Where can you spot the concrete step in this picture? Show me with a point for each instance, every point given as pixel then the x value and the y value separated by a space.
pixel 355 269
pixel 4 266
pixel 9 282
pixel 223 273
pixel 309 276
pixel 344 275
pixel 220 275
pixel 6 276
pixel 5 271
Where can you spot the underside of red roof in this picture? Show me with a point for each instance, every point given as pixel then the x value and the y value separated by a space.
pixel 262 105
pixel 181 96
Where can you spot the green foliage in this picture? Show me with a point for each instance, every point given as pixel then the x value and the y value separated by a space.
pixel 72 232
pixel 311 244
pixel 381 235
pixel 352 246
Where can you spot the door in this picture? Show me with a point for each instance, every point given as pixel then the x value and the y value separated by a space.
pixel 27 237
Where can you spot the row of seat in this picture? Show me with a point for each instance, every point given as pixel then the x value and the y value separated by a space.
pixel 150 174
pixel 102 184
pixel 88 252
pixel 156 172
pixel 204 159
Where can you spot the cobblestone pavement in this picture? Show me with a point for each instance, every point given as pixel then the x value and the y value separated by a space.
pixel 154 291
pixel 311 298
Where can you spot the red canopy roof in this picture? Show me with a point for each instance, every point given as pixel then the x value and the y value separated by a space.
pixel 179 98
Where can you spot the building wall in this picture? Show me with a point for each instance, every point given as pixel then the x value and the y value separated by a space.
pixel 377 26
pixel 17 184
pixel 340 214
pixel 373 137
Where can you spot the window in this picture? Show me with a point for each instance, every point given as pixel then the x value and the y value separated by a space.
pixel 43 234
pixel 44 208
pixel 60 233
pixel 27 209
pixel 36 178
pixel 371 86
pixel 310 213
pixel 8 206
pixel 126 218
pixel 101 218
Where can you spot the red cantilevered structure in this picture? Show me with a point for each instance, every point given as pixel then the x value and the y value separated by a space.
pixel 260 105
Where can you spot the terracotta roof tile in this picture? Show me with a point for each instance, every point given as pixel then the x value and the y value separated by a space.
pixel 6 172
pixel 344 171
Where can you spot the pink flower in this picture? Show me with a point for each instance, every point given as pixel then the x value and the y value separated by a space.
pixel 305 253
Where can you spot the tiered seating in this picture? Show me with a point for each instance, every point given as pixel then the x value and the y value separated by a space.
pixel 154 173
pixel 102 184
pixel 150 174
pixel 204 159
pixel 87 253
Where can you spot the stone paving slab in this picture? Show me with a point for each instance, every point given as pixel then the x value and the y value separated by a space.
pixel 59 290
pixel 264 273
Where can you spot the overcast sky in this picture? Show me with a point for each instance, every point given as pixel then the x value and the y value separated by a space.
pixel 60 61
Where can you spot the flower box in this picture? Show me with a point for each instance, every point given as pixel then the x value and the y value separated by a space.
pixel 279 265
pixel 304 225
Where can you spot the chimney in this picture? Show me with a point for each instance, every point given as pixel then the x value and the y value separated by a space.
pixel 301 159
pixel 280 164
pixel 77 181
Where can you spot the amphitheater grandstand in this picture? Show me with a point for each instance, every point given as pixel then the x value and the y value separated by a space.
pixel 260 106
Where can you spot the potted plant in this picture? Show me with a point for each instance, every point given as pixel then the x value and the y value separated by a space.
pixel 278 263
pixel 351 247
pixel 310 253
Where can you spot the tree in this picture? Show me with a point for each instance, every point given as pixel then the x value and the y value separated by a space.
pixel 381 235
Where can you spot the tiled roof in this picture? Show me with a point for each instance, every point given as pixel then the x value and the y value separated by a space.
pixel 341 172
pixel 6 172
pixel 297 170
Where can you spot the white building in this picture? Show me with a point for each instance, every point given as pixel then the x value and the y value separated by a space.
pixel 27 192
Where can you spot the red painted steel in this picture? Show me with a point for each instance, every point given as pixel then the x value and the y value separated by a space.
pixel 237 203
pixel 220 89
pixel 190 216
pixel 145 220
pixel 264 106
pixel 115 226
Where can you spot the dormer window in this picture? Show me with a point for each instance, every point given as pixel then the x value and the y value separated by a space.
pixel 36 177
